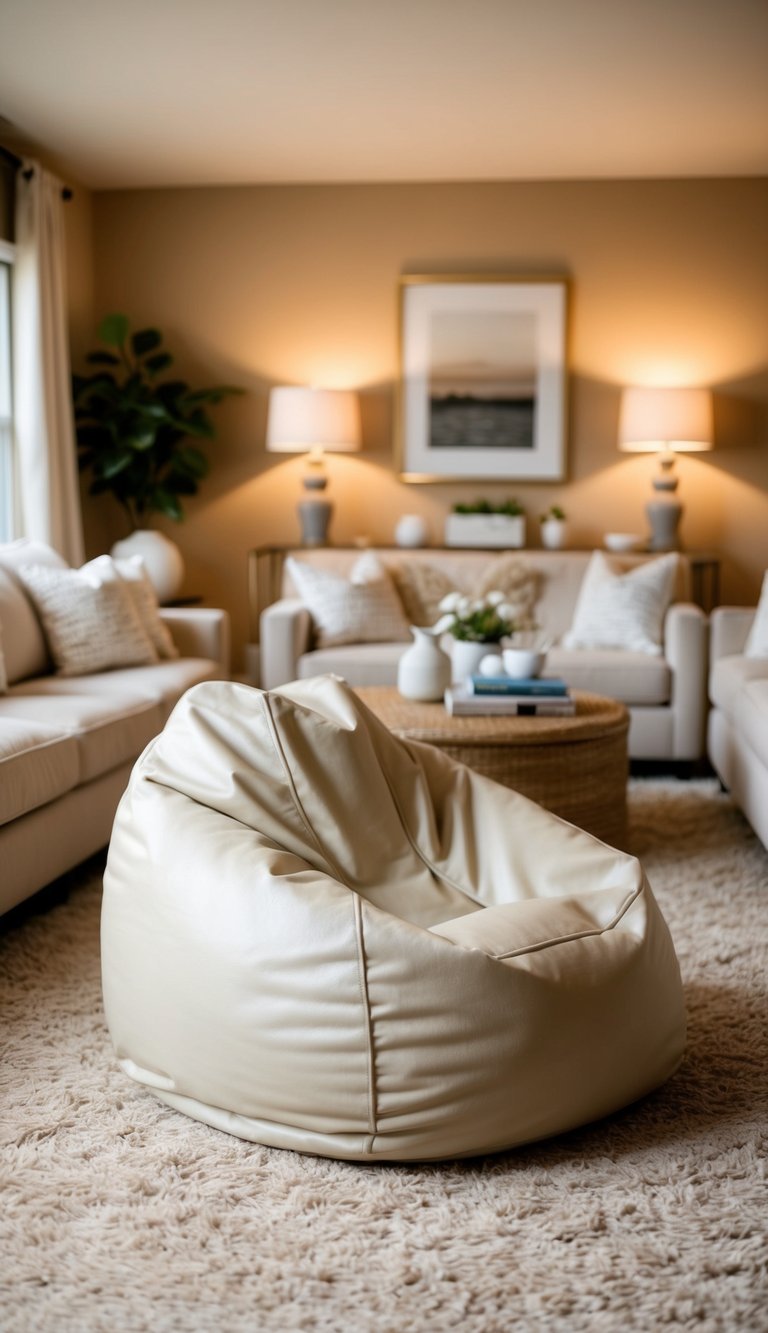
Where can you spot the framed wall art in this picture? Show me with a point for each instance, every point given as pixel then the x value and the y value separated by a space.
pixel 482 392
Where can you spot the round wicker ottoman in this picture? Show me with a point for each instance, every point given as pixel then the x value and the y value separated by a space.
pixel 574 766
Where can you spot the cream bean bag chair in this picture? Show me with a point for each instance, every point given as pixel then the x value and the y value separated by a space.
pixel 318 937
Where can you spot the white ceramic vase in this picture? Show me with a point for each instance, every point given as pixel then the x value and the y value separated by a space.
pixel 411 530
pixel 162 560
pixel 466 657
pixel 424 670
pixel 554 533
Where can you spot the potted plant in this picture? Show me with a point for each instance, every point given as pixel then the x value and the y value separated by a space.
pixel 554 528
pixel 134 435
pixel 483 523
pixel 477 624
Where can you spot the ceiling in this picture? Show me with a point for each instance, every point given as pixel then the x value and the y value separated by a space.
pixel 202 92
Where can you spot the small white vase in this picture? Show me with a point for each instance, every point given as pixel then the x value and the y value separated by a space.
pixel 411 530
pixel 466 657
pixel 424 670
pixel 554 533
pixel 162 560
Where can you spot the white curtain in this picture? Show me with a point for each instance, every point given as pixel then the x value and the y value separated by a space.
pixel 48 491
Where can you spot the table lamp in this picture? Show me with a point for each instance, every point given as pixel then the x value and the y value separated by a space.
pixel 666 421
pixel 306 420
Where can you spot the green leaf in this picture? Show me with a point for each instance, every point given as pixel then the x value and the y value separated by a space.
pixel 103 359
pixel 191 461
pixel 117 463
pixel 146 340
pixel 161 361
pixel 113 330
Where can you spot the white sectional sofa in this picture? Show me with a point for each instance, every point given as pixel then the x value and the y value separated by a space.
pixel 68 743
pixel 737 736
pixel 666 693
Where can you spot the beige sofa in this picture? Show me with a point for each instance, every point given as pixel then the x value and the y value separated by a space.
pixel 68 744
pixel 737 738
pixel 666 694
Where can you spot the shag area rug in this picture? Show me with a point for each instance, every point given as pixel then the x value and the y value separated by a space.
pixel 118 1214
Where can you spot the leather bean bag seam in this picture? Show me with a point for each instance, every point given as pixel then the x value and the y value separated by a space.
pixel 576 934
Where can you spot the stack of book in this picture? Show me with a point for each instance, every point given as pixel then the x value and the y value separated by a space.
pixel 535 696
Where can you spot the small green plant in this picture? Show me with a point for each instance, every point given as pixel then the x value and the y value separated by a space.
pixel 485 619
pixel 133 429
pixel 511 508
pixel 554 511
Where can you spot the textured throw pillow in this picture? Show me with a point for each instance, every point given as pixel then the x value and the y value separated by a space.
pixel 88 617
pixel 133 573
pixel 364 608
pixel 517 581
pixel 622 609
pixel 421 588
pixel 757 639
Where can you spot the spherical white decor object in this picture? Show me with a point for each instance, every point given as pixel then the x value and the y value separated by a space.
pixel 411 530
pixel 492 665
pixel 162 560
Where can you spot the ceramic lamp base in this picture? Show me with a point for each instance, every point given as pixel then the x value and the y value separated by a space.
pixel 314 516
pixel 664 519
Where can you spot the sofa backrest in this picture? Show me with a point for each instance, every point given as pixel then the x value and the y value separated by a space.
pixel 24 647
pixel 559 572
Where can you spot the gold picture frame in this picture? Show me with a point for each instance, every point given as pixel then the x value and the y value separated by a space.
pixel 483 378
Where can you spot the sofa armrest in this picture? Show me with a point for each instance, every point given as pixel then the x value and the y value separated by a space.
pixel 686 651
pixel 200 632
pixel 729 628
pixel 284 631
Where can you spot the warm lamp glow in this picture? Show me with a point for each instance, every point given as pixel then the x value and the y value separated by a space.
pixel 301 419
pixel 665 421
pixel 660 419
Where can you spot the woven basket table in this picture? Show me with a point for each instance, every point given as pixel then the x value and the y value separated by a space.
pixel 575 766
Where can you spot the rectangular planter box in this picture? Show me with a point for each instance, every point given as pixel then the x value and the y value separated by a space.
pixel 485 530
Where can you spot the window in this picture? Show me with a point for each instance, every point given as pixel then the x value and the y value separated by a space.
pixel 6 395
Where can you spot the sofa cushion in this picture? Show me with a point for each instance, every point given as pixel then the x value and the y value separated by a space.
pixel 632 678
pixel 3 672
pixel 89 617
pixel 108 729
pixel 622 608
pixel 757 640
pixel 357 663
pixel 162 682
pixel 37 764
pixel 25 649
pixel 364 608
pixel 730 675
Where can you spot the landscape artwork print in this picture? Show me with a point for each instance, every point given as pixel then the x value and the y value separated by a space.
pixel 482 379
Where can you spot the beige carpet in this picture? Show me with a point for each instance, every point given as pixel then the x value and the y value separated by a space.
pixel 118 1214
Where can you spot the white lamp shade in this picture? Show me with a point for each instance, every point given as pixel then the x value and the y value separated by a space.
pixel 677 419
pixel 300 419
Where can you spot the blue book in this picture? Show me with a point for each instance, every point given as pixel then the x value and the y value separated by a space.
pixel 546 686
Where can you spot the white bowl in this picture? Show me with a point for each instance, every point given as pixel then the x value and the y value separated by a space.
pixel 520 663
pixel 622 541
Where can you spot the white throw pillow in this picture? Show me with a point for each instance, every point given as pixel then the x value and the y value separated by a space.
pixel 757 639
pixel 142 590
pixel 88 617
pixel 622 608
pixel 364 608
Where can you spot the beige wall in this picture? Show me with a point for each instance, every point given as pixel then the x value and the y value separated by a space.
pixel 261 285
